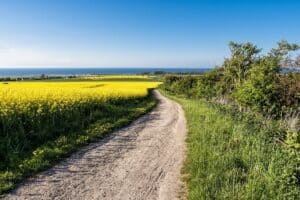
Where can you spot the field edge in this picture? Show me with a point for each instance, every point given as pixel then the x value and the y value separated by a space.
pixel 51 153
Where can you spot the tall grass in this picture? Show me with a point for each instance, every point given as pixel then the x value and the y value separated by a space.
pixel 233 155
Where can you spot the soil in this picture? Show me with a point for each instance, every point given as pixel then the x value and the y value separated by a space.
pixel 140 161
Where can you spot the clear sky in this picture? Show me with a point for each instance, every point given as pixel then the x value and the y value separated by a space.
pixel 138 33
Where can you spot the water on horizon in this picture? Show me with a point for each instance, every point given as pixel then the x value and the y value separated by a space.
pixel 28 72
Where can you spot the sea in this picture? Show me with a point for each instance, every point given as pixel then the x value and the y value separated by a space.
pixel 31 72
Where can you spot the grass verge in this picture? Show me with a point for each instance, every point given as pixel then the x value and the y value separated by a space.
pixel 111 117
pixel 232 155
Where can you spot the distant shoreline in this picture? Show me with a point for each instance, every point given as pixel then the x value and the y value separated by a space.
pixel 32 72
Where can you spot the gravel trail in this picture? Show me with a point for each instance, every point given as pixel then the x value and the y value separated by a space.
pixel 141 161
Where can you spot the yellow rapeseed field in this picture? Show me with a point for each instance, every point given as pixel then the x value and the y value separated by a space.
pixel 31 105
pixel 43 121
pixel 19 95
pixel 106 77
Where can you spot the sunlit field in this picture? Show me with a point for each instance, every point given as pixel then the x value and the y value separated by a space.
pixel 120 77
pixel 41 122
pixel 21 93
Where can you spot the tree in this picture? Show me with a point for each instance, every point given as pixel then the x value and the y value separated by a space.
pixel 283 49
pixel 262 90
pixel 281 54
pixel 297 61
pixel 259 91
pixel 236 68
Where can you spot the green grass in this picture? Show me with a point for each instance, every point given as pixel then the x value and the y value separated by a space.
pixel 232 155
pixel 110 117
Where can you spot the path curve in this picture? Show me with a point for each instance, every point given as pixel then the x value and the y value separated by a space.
pixel 141 161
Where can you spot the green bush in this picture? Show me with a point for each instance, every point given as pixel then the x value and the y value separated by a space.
pixel 260 91
pixel 208 84
pixel 185 85
pixel 247 79
pixel 234 155
pixel 289 90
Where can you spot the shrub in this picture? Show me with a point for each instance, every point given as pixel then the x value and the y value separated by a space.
pixel 185 85
pixel 208 85
pixel 260 91
pixel 289 89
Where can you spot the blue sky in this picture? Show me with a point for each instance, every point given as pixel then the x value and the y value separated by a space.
pixel 138 33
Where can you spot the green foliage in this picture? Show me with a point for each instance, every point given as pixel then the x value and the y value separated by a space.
pixel 233 155
pixel 243 55
pixel 207 86
pixel 283 49
pixel 290 178
pixel 289 90
pixel 184 84
pixel 259 92
pixel 247 79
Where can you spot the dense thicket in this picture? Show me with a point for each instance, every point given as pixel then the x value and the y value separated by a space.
pixel 263 86
pixel 247 79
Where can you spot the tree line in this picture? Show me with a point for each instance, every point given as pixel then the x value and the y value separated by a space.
pixel 249 79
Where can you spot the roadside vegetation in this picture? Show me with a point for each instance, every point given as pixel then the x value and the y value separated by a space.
pixel 243 119
pixel 41 122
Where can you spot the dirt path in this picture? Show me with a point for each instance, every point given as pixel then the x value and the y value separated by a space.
pixel 141 161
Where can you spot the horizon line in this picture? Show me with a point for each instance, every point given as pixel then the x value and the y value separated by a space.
pixel 96 67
